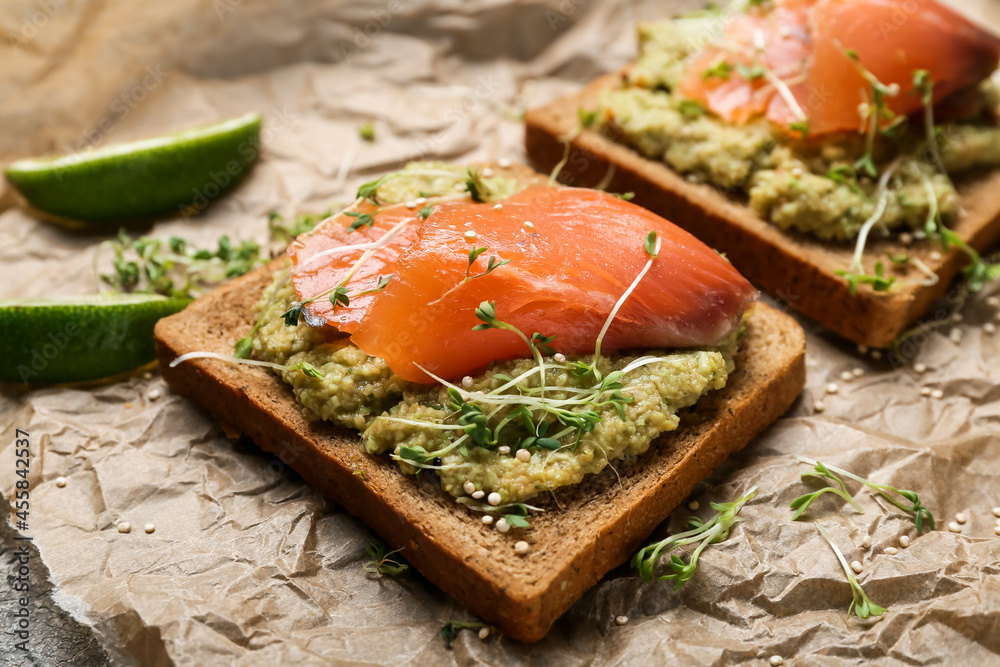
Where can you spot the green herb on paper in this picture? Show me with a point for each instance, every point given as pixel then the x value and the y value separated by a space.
pixel 860 605
pixel 384 561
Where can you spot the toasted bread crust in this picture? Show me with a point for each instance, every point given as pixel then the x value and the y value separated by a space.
pixel 799 270
pixel 601 524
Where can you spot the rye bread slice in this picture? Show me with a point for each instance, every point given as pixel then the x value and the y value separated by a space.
pixel 600 524
pixel 797 269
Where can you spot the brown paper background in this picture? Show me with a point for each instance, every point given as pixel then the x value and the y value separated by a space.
pixel 247 565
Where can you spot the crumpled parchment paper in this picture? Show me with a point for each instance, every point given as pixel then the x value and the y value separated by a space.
pixel 249 566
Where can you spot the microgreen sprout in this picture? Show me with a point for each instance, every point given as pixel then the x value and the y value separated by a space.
pixel 305 367
pixel 586 118
pixel 856 275
pixel 802 503
pixel 360 220
pixel 284 232
pixel 367 132
pixel 384 563
pixel 425 212
pixel 691 109
pixel 923 85
pixel 912 505
pixel 451 629
pixel 339 297
pixel 492 264
pixel 714 530
pixel 721 69
pixel 475 186
pixel 860 605
pixel 877 114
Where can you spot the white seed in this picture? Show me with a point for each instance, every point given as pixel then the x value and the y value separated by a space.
pixel 989 328
pixel 470 488
pixel 957 317
pixel 862 349
pixel 819 406
pixel 521 547
pixel 498 207
pixel 487 519
pixel 776 660
pixel 523 455
pixel 892 551
pixel 149 527
pixel 694 505
pixel 153 394
pixel 60 482
pixel 935 256
pixel 411 205
pixel 503 449
pixel 484 633
pixel 621 620
pixel 954 527
pixel 846 376
pixel 920 234
pixel 906 238
pixel 832 388
pixel 937 393
pixel 925 391
pixel 502 525
pixel 858 372
pixel 955 335
pixel 904 541
pixel 503 162
pixel 876 354
pixel 993 301
pixel 478 494
pixel 560 358
pixel 493 499
pixel 149 376
pixel 467 382
pixel 867 542
pixel 961 518
pixel 470 235
pixel 857 566
pixel 487 172
pixel 997 317
pixel 421 201
pixel 123 527
pixel 920 368
pixel 997 530
pixel 996 512
pixel 529 225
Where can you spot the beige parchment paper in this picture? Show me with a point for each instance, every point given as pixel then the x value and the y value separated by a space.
pixel 249 566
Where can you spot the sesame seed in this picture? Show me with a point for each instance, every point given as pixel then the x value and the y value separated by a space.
pixel 993 301
pixel 955 335
pixel 529 225
pixel 797 172
pixel 904 541
pixel 478 494
pixel 493 499
pixel 421 201
pixel 846 376
pixel 128 405
pixel 621 620
pixel 832 388
pixel 819 406
pixel 876 354
pixel 467 381
pixel 487 519
pixel 694 505
pixel 149 528
pixel 487 172
pixel 470 235
pixel 502 525
pixel 523 455
pixel 149 376
pixel 936 256
pixel 521 547
pixel 498 207
pixel 957 317
pixel 484 633
pixel 503 162
pixel 920 234
pixel 123 527
pixel 989 328
pixel 153 394
pixel 411 205
pixel 937 393
pixel 469 488
pixel 560 358
pixel 996 512
pixel 60 482
pixel 867 542
pixel 892 551
pixel 776 660
pixel 996 530
pixel 920 368
pixel 961 518
pixel 954 527
pixel 925 391
pixel 905 238
pixel 862 349
pixel 857 566
pixel 858 372
pixel 503 449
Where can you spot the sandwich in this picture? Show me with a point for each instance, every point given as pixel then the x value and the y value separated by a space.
pixel 511 382
pixel 842 153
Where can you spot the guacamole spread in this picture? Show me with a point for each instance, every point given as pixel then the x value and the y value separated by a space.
pixel 795 183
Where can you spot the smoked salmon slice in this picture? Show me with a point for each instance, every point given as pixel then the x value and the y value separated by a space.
pixel 566 271
pixel 804 45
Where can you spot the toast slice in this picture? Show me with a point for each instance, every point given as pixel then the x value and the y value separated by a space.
pixel 592 528
pixel 795 268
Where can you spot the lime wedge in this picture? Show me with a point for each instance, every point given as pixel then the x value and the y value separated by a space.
pixel 74 339
pixel 141 179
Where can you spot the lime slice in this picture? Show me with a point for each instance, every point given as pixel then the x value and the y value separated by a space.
pixel 144 178
pixel 74 339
